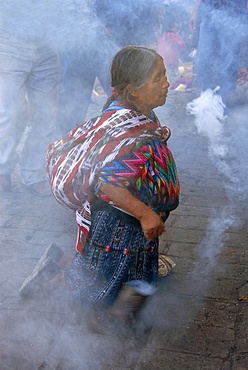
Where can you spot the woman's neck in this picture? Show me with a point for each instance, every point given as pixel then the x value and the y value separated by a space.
pixel 146 112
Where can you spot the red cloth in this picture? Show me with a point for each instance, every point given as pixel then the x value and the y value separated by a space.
pixel 169 48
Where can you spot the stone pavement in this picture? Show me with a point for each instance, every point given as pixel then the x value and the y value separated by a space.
pixel 197 320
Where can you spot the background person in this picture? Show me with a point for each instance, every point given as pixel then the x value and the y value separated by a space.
pixel 131 22
pixel 85 53
pixel 169 47
pixel 222 26
pixel 29 79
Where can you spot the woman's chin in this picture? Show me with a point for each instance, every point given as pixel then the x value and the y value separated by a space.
pixel 162 100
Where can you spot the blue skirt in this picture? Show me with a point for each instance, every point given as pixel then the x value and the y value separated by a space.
pixel 115 253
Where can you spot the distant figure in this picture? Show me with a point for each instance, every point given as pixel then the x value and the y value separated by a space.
pixel 29 78
pixel 131 22
pixel 222 26
pixel 169 46
pixel 86 53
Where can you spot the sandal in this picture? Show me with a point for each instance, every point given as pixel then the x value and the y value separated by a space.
pixel 165 265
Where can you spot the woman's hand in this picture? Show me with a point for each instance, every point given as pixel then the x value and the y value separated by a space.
pixel 152 225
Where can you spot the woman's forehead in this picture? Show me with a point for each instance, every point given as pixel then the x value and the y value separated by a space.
pixel 159 67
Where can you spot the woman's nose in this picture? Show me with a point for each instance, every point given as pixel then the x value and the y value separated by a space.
pixel 166 83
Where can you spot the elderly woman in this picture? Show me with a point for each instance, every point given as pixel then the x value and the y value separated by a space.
pixel 117 172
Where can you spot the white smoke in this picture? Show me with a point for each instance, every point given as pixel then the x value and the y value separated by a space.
pixel 208 110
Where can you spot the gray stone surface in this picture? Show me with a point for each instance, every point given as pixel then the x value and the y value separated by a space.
pixel 197 320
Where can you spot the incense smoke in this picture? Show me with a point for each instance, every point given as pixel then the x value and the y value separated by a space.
pixel 210 119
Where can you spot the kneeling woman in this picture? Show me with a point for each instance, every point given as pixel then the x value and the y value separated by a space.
pixel 117 172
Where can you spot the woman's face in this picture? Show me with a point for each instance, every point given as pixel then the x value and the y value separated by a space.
pixel 153 94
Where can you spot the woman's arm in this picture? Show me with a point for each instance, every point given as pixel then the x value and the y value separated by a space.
pixel 151 223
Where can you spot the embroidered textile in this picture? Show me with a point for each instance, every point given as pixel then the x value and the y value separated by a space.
pixel 121 147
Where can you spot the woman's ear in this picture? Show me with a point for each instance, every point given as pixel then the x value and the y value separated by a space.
pixel 131 90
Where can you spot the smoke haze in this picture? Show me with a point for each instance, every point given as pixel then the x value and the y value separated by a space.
pixel 53 324
pixel 210 122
